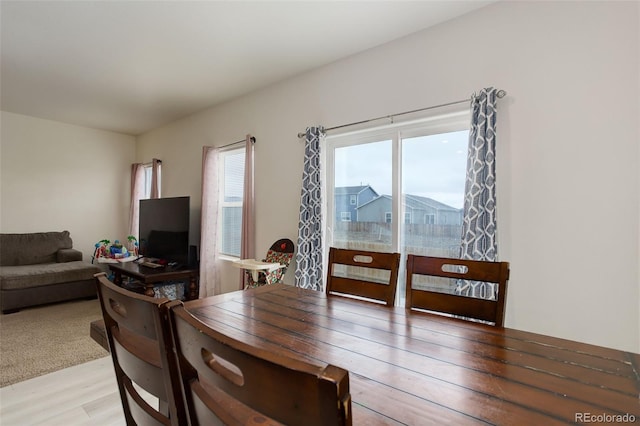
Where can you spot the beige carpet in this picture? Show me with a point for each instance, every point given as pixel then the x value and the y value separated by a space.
pixel 45 339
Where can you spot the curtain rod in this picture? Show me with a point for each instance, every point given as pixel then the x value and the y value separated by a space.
pixel 150 163
pixel 499 94
pixel 253 140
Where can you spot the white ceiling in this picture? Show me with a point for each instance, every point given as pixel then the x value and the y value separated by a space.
pixel 131 66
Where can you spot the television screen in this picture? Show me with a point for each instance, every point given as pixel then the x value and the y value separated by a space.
pixel 164 229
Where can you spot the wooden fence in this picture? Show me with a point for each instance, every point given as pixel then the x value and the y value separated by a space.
pixel 425 240
pixel 433 240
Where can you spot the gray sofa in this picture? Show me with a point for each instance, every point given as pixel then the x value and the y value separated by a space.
pixel 42 267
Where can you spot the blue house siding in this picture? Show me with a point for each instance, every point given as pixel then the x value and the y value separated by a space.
pixel 347 199
pixel 418 210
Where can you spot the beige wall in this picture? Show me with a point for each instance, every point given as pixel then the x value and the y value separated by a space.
pixel 568 156
pixel 569 188
pixel 56 176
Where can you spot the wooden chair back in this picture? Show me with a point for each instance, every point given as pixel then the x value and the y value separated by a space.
pixel 361 282
pixel 458 305
pixel 139 341
pixel 225 381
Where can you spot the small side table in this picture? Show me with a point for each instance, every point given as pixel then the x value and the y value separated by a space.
pixel 150 276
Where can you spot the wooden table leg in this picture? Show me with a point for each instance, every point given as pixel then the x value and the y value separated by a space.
pixel 148 290
pixel 193 290
pixel 117 278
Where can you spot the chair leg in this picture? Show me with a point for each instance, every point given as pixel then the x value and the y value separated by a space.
pixel 163 407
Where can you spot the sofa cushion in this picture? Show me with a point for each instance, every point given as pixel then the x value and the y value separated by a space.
pixel 28 276
pixel 68 255
pixel 32 248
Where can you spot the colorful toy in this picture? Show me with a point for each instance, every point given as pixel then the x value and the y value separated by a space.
pixel 105 249
pixel 133 244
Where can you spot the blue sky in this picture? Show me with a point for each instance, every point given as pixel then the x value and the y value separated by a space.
pixel 433 166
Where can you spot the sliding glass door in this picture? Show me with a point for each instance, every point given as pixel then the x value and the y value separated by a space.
pixel 398 189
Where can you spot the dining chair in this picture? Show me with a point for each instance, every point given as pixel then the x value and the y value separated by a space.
pixel 140 344
pixel 364 274
pixel 226 381
pixel 422 295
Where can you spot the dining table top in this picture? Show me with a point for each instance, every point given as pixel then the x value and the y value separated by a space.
pixel 415 368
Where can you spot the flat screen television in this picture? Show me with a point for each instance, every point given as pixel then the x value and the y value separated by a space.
pixel 164 229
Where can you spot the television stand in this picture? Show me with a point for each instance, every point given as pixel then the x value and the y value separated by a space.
pixel 150 277
pixel 151 265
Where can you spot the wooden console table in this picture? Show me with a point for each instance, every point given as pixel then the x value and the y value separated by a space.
pixel 150 277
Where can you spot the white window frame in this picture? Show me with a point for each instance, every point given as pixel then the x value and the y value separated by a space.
pixel 407 217
pixel 148 172
pixel 221 201
pixel 353 200
pixel 345 216
pixel 429 218
pixel 433 122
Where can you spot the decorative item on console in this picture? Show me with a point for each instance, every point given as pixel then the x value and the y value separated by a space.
pixel 106 252
pixel 133 245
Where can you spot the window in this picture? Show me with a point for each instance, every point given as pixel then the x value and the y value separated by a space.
pixel 419 172
pixel 429 219
pixel 231 194
pixel 353 200
pixel 148 178
pixel 148 172
pixel 345 216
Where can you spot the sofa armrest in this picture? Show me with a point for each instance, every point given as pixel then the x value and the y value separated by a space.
pixel 68 255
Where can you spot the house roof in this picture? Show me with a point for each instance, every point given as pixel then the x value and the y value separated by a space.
pixel 416 202
pixel 375 200
pixel 352 190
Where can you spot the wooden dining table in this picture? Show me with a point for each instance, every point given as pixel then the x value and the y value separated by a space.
pixel 416 368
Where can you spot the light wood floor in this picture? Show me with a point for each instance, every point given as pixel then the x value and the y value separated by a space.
pixel 86 394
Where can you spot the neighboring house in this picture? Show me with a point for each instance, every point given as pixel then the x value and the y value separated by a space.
pixel 348 198
pixel 418 210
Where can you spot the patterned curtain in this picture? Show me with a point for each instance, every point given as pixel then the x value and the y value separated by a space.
pixel 309 256
pixel 479 220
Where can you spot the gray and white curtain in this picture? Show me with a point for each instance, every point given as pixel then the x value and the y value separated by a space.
pixel 479 220
pixel 309 256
